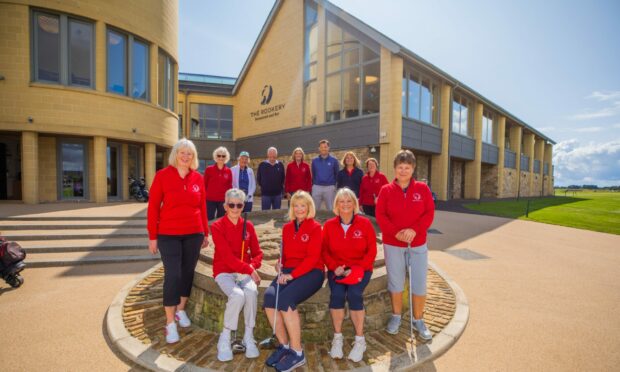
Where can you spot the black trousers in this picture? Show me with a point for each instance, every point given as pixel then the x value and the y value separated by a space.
pixel 369 210
pixel 215 210
pixel 179 253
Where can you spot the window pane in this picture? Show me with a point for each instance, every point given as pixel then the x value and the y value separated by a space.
pixel 351 58
pixel 414 99
pixel 403 95
pixel 226 112
pixel 161 72
pixel 80 57
pixel 169 84
pixel 48 48
pixel 211 128
pixel 464 119
pixel 333 64
pixel 456 117
pixel 209 111
pixel 116 62
pixel 332 94
pixel 311 72
pixel 368 54
pixel 334 38
pixel 351 91
pixel 310 103
pixel 140 68
pixel 426 100
pixel 311 44
pixel 311 13
pixel 226 129
pixel 370 101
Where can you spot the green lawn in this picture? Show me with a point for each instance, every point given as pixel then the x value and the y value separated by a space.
pixel 590 210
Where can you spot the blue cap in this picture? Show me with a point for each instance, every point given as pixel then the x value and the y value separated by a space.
pixel 244 153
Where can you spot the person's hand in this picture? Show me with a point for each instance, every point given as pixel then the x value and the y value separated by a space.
pixel 278 266
pixel 255 277
pixel 153 246
pixel 205 242
pixel 406 235
pixel 339 270
pixel 287 195
pixel 284 278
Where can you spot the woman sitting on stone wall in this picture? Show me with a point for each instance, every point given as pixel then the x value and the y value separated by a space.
pixel 349 251
pixel 236 259
pixel 302 275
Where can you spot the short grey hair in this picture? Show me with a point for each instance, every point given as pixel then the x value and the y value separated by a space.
pixel 274 149
pixel 221 150
pixel 234 194
pixel 183 143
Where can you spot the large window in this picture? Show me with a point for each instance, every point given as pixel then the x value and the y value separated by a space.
pixel 211 121
pixel 487 127
pixel 165 81
pixel 311 38
pixel 460 115
pixel 128 65
pixel 63 50
pixel 181 108
pixel 419 98
pixel 352 86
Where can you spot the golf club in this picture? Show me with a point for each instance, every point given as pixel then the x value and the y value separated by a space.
pixel 236 345
pixel 270 342
pixel 409 259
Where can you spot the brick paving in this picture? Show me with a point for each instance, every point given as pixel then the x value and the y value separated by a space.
pixel 144 318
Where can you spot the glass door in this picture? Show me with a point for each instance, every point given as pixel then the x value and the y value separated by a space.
pixel 72 169
pixel 113 171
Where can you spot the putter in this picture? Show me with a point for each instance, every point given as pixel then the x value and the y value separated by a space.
pixel 236 345
pixel 410 294
pixel 270 342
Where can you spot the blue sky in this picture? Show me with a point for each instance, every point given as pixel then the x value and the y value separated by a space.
pixel 554 64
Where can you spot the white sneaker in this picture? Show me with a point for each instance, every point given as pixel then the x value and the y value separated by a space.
pixel 251 351
pixel 224 352
pixel 336 351
pixel 183 319
pixel 172 335
pixel 357 353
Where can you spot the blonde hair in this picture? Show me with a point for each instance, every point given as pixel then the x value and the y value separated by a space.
pixel 304 197
pixel 346 192
pixel 303 154
pixel 183 143
pixel 356 161
pixel 220 150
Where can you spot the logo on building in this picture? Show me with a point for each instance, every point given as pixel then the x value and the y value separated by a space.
pixel 266 95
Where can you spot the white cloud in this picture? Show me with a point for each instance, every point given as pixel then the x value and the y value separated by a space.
pixel 617 125
pixel 595 114
pixel 605 96
pixel 592 163
pixel 588 129
pixel 612 106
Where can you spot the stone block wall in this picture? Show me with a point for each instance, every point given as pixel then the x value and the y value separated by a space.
pixel 488 181
pixel 509 189
pixel 524 186
pixel 456 179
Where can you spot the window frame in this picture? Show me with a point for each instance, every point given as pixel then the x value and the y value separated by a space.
pixel 489 116
pixel 410 74
pixel 128 64
pixel 462 101
pixel 168 101
pixel 219 120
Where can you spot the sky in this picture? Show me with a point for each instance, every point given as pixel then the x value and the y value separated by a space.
pixel 554 64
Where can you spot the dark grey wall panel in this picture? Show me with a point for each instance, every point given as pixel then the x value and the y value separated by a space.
pixel 351 133
pixel 490 153
pixel 525 163
pixel 510 159
pixel 422 137
pixel 205 148
pixel 462 147
pixel 536 166
pixel 546 169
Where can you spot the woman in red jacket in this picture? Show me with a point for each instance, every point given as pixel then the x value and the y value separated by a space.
pixel 218 180
pixel 302 275
pixel 237 257
pixel 298 176
pixel 349 251
pixel 405 211
pixel 177 226
pixel 372 182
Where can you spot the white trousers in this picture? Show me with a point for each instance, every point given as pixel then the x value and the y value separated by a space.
pixel 242 294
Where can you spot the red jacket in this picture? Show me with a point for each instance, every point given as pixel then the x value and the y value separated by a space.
pixel 176 205
pixel 302 249
pixel 298 177
pixel 370 187
pixel 397 210
pixel 227 239
pixel 217 182
pixel 358 246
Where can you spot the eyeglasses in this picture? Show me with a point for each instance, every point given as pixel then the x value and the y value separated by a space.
pixel 233 205
pixel 221 156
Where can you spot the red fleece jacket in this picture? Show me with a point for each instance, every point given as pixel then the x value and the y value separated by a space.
pixel 298 177
pixel 176 205
pixel 370 187
pixel 217 182
pixel 302 249
pixel 358 246
pixel 227 240
pixel 396 211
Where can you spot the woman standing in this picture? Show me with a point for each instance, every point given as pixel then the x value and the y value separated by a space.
pixel 237 257
pixel 218 179
pixel 177 226
pixel 350 175
pixel 302 275
pixel 405 211
pixel 243 178
pixel 298 175
pixel 349 251
pixel 372 182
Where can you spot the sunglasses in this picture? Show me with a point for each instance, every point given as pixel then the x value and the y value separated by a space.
pixel 233 205
pixel 221 156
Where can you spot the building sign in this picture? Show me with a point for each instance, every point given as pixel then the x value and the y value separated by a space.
pixel 267 111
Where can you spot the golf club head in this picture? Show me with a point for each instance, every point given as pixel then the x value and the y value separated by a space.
pixel 268 343
pixel 237 347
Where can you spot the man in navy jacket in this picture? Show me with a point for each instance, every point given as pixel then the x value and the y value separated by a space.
pixel 270 178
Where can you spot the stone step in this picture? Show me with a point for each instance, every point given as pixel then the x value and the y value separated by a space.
pixel 24 235
pixel 85 258
pixel 84 245
pixel 71 225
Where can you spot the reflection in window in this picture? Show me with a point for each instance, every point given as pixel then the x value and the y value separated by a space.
pixel 487 127
pixel 116 62
pixel 80 53
pixel 460 115
pixel 139 70
pixel 311 38
pixel 165 80
pixel 421 98
pixel 211 121
pixel 47 47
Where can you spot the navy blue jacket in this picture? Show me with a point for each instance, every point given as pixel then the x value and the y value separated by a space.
pixel 270 178
pixel 325 171
pixel 353 181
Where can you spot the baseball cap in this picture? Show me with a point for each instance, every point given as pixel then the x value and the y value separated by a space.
pixel 244 153
pixel 355 276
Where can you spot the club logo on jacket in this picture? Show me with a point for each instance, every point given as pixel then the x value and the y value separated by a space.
pixel 417 196
pixel 225 175
pixel 305 237
pixel 195 188
pixel 357 234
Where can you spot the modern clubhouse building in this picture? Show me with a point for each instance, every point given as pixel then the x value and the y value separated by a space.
pixel 92 110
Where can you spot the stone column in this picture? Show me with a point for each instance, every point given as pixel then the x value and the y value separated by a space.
pixel 100 165
pixel 473 168
pixel 528 150
pixel 539 151
pixel 149 163
pixel 100 56
pixel 501 146
pixel 549 160
pixel 30 167
pixel 516 133
pixel 440 163
pixel 390 117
